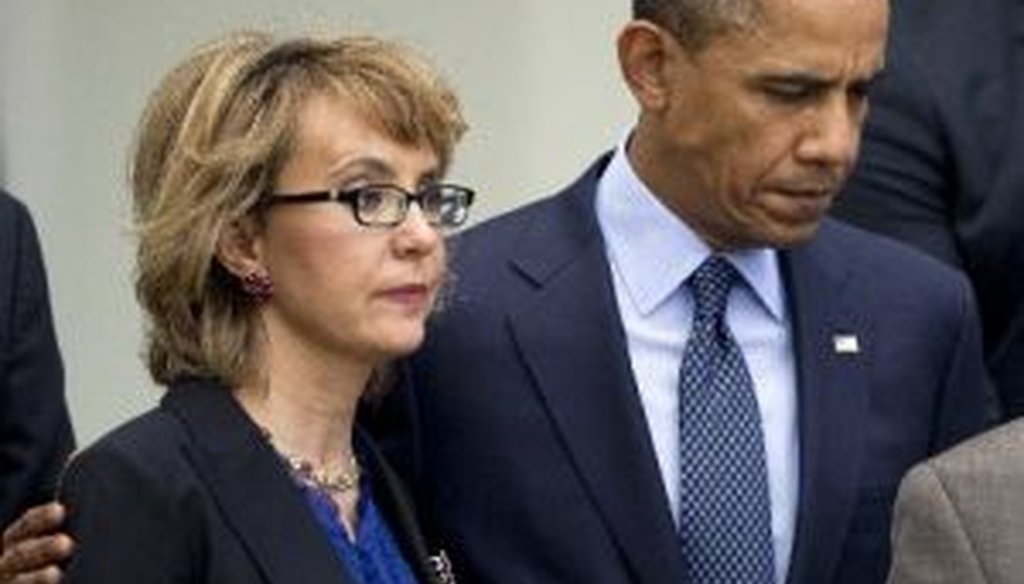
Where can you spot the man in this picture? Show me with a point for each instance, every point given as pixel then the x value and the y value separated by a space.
pixel 562 402
pixel 959 518
pixel 35 433
pixel 549 394
pixel 941 164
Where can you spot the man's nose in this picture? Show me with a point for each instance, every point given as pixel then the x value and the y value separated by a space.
pixel 832 135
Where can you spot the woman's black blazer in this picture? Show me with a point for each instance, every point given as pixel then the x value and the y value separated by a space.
pixel 191 492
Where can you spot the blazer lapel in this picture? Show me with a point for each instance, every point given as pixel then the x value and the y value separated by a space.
pixel 572 341
pixel 832 347
pixel 397 506
pixel 253 492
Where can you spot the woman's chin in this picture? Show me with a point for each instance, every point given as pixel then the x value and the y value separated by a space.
pixel 401 343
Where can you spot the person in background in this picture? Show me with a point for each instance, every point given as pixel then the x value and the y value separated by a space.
pixel 959 517
pixel 291 218
pixel 35 430
pixel 940 167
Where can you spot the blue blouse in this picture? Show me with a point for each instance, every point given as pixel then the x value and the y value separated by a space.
pixel 373 556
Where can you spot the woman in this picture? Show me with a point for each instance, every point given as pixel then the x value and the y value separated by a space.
pixel 290 221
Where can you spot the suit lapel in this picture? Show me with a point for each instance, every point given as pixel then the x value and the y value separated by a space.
pixel 242 474
pixel 832 347
pixel 572 341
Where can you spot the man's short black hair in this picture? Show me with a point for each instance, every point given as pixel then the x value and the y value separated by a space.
pixel 695 22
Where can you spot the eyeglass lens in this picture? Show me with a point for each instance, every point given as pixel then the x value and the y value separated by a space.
pixel 442 205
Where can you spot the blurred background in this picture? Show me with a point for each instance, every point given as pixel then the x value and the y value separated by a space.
pixel 538 81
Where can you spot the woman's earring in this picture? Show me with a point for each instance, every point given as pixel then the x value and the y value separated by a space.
pixel 258 286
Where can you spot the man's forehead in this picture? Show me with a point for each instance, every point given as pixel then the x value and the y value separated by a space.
pixel 817 42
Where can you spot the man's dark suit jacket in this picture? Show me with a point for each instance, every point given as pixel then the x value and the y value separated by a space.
pixel 192 492
pixel 533 451
pixel 35 432
pixel 942 162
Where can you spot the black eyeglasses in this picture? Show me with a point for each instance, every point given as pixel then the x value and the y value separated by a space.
pixel 386 205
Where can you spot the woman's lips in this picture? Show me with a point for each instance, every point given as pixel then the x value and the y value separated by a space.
pixel 410 295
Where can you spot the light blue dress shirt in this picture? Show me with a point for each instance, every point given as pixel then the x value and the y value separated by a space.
pixel 651 252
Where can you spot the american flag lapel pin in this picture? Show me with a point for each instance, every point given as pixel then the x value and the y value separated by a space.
pixel 845 344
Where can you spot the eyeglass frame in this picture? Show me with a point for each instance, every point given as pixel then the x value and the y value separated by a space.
pixel 350 197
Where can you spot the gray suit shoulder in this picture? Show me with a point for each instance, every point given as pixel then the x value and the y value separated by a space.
pixel 997 452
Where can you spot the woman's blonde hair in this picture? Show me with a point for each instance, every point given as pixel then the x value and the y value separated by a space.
pixel 213 137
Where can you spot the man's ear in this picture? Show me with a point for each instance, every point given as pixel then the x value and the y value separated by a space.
pixel 239 248
pixel 645 55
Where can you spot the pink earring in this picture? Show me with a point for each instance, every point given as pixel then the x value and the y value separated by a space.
pixel 258 286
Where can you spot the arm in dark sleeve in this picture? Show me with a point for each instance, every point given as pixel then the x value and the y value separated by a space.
pixel 969 402
pixel 35 432
pixel 126 522
pixel 904 184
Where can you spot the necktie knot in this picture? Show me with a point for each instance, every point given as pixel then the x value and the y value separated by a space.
pixel 710 284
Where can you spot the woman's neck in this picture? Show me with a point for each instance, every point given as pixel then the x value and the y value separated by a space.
pixel 307 405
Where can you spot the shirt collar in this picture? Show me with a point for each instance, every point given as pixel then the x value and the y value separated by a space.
pixel 654 251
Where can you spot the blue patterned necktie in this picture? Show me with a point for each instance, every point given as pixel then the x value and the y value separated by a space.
pixel 725 513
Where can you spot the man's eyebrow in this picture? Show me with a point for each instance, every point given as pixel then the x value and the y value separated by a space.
pixel 812 81
pixel 864 84
pixel 805 79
